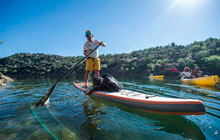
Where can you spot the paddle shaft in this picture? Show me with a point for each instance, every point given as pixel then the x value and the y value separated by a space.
pixel 47 95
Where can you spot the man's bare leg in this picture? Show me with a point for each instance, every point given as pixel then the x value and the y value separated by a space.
pixel 96 73
pixel 86 78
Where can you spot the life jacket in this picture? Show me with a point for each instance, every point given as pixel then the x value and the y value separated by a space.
pixel 106 82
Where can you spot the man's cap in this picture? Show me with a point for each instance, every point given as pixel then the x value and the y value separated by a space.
pixel 88 33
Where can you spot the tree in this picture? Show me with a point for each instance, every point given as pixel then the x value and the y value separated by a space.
pixel 213 61
pixel 151 67
pixel 200 56
pixel 173 44
pixel 181 62
pixel 195 48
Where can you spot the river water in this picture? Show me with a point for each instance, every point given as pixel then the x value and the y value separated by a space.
pixel 72 115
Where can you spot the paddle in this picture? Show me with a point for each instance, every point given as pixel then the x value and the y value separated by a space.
pixel 47 95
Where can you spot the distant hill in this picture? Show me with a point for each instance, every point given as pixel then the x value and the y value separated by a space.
pixel 159 60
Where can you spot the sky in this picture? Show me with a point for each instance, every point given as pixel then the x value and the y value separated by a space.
pixel 58 26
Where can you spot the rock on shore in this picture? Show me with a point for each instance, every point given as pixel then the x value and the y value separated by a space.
pixel 4 79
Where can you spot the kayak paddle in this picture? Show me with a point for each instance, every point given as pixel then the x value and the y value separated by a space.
pixel 47 95
pixel 174 70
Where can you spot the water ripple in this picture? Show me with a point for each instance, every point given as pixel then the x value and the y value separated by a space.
pixel 71 115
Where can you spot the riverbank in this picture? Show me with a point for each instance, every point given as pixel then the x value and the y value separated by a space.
pixel 4 79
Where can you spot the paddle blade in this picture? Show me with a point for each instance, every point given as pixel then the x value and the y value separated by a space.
pixel 174 70
pixel 46 96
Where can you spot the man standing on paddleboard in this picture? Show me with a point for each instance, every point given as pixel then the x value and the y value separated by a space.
pixel 93 61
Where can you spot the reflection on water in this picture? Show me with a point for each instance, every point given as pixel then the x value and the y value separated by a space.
pixel 71 115
pixel 174 124
pixel 93 113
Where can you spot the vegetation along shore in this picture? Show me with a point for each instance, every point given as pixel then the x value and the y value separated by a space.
pixel 205 54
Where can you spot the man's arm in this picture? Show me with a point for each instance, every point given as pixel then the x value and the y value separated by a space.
pixel 181 74
pixel 102 44
pixel 85 52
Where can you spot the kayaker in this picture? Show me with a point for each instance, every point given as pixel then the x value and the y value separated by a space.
pixel 93 61
pixel 186 74
pixel 196 73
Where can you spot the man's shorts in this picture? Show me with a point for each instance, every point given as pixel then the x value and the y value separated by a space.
pixel 92 64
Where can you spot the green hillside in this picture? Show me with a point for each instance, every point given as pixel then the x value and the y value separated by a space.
pixel 205 54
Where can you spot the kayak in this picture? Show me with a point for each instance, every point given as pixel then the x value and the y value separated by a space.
pixel 205 81
pixel 157 76
pixel 149 103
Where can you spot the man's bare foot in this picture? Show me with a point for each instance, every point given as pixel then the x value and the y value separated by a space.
pixel 85 85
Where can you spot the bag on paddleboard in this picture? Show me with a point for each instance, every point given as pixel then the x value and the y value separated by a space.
pixel 106 82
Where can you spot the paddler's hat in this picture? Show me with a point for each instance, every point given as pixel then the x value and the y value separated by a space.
pixel 186 68
pixel 197 68
pixel 88 33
